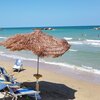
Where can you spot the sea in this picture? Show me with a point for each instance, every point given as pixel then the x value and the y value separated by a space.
pixel 83 55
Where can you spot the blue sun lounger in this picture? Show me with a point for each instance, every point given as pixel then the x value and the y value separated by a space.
pixel 24 91
pixel 15 93
pixel 7 77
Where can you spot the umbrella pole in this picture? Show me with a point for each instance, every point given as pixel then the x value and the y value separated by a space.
pixel 37 65
pixel 37 75
pixel 37 85
pixel 37 82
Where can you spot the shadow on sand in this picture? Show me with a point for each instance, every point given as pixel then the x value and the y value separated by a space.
pixel 53 91
pixel 19 71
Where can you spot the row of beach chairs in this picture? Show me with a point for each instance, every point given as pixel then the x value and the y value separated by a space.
pixel 9 86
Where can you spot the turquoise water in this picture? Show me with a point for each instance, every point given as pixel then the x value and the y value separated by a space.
pixel 84 53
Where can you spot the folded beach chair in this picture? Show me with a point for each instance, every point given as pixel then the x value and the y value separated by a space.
pixel 11 80
pixel 19 92
pixel 6 78
pixel 18 65
pixel 4 72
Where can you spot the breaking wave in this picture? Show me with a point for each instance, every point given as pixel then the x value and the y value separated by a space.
pixel 3 37
pixel 73 50
pixel 94 43
pixel 68 38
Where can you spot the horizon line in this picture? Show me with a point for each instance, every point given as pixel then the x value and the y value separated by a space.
pixel 47 26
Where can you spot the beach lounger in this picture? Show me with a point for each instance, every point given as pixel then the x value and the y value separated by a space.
pixel 6 78
pixel 11 80
pixel 18 65
pixel 4 72
pixel 19 92
pixel 23 91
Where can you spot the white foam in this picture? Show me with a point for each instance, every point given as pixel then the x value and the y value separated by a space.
pixel 73 50
pixel 3 37
pixel 10 56
pixel 1 52
pixel 97 41
pixel 90 69
pixel 67 38
pixel 94 43
pixel 81 68
pixel 60 64
pixel 76 42
pixel 15 56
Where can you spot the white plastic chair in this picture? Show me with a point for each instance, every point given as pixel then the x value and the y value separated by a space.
pixel 18 65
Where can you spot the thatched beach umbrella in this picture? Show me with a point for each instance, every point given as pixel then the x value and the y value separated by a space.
pixel 39 43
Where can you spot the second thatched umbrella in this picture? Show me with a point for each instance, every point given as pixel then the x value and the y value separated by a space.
pixel 39 43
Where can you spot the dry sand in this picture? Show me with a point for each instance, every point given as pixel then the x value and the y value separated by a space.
pixel 53 85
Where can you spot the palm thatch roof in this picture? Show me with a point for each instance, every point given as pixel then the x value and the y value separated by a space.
pixel 38 42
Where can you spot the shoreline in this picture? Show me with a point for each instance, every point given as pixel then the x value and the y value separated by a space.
pixel 67 71
pixel 57 78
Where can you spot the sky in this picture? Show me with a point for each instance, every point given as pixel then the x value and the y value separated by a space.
pixel 36 13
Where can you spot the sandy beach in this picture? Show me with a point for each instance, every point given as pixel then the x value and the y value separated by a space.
pixel 58 42
pixel 53 85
